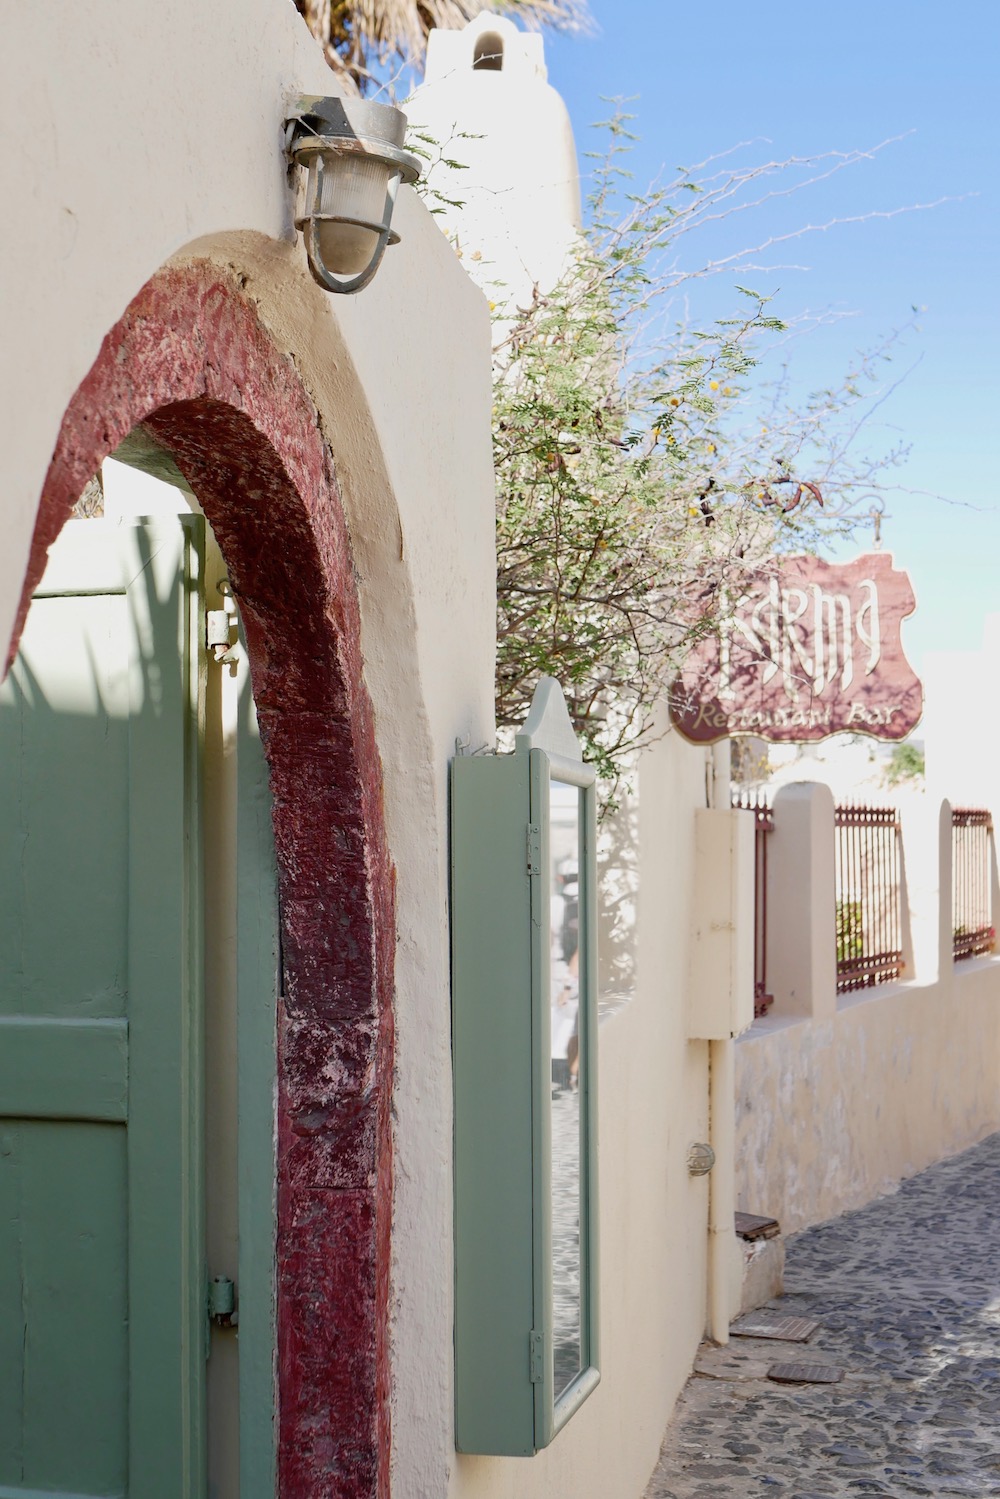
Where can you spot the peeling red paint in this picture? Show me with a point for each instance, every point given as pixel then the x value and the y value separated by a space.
pixel 192 360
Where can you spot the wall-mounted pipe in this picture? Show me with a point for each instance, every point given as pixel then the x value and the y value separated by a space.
pixel 721 1118
pixel 721 1185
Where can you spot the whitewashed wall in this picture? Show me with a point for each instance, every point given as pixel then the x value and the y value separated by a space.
pixel 146 133
pixel 514 216
pixel 153 134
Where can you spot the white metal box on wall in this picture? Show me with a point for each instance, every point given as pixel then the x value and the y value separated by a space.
pixel 721 974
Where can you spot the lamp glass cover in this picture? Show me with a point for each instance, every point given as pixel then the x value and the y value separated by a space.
pixel 353 187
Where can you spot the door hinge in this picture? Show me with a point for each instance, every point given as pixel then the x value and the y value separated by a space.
pixel 218 635
pixel 534 848
pixel 536 1356
pixel 219 625
pixel 222 1302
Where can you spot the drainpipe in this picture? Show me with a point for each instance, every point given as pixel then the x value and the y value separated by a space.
pixel 721 1188
pixel 721 1122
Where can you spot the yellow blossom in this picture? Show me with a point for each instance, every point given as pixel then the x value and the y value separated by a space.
pixel 713 384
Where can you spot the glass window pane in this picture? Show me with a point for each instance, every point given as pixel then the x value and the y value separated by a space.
pixel 564 853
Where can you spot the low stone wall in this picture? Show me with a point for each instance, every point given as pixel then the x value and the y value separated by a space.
pixel 839 1098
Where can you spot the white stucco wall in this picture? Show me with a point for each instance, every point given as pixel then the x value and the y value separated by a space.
pixel 157 137
pixel 138 129
pixel 155 134
pixel 515 219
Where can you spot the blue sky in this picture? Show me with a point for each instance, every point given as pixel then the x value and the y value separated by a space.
pixel 799 79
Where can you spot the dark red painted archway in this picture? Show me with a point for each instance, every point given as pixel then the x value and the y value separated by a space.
pixel 192 360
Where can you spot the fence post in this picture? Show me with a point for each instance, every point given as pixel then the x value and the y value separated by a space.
pixel 921 889
pixel 801 903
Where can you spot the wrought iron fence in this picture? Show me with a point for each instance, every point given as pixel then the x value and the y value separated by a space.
pixel 972 882
pixel 869 921
pixel 756 802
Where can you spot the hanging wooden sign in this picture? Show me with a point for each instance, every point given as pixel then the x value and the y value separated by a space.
pixel 808 648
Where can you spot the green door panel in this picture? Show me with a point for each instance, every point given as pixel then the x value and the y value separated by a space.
pixel 102 1282
pixel 65 1186
pixel 60 1068
pixel 64 758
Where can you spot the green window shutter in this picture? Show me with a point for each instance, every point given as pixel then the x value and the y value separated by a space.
pixel 526 1262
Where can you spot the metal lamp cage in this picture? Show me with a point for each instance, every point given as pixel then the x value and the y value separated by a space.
pixel 353 158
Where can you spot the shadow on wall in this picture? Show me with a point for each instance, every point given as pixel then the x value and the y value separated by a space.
pixel 618 873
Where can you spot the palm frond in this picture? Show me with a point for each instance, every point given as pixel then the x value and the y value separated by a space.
pixel 358 34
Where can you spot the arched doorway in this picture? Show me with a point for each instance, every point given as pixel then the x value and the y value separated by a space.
pixel 191 361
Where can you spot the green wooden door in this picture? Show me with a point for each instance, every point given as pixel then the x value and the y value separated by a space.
pixel 102 1281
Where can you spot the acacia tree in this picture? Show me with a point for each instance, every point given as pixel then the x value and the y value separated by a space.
pixel 360 37
pixel 643 464
pixel 634 486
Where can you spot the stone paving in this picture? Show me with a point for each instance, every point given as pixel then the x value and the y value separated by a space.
pixel 907 1292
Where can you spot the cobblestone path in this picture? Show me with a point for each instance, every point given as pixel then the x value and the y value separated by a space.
pixel 907 1292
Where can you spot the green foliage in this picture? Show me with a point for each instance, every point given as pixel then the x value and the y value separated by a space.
pixel 635 474
pixel 906 763
pixel 850 930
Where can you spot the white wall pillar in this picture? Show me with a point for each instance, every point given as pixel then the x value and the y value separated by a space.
pixel 801 903
pixel 922 865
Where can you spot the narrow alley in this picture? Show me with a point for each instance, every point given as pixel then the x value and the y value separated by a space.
pixel 906 1292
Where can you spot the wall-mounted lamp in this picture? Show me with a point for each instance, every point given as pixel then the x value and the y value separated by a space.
pixel 354 161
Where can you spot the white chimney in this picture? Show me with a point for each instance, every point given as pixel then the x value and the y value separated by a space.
pixel 488 106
